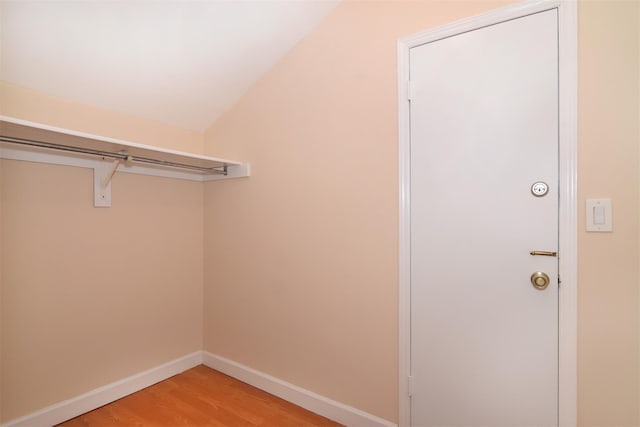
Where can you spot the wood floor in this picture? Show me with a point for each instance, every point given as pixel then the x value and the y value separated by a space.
pixel 200 397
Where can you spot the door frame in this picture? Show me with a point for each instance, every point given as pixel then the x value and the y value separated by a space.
pixel 567 175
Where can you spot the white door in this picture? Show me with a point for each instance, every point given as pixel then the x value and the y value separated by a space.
pixel 484 129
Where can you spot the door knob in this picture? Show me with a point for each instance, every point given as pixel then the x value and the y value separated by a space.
pixel 540 280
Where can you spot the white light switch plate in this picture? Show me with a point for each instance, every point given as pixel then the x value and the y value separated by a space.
pixel 599 216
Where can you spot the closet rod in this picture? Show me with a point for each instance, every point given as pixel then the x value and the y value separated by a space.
pixel 222 170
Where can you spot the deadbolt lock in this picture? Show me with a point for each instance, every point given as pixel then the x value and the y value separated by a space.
pixel 540 280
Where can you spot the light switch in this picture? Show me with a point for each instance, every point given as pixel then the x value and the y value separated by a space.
pixel 599 216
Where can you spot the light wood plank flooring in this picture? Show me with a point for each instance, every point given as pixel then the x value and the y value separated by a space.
pixel 200 397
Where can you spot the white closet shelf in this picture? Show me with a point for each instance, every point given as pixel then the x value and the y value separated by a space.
pixel 29 134
pixel 36 142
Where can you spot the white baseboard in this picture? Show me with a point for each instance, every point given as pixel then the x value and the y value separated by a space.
pixel 89 401
pixel 309 400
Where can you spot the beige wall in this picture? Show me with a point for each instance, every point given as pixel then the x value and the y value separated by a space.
pixel 91 296
pixel 305 288
pixel 608 355
pixel 125 292
pixel 301 264
pixel 26 104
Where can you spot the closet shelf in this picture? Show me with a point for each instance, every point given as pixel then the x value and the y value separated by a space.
pixel 24 140
pixel 31 134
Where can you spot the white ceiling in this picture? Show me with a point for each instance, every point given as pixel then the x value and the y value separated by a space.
pixel 178 62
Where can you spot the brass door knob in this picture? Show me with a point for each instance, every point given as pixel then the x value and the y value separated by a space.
pixel 540 280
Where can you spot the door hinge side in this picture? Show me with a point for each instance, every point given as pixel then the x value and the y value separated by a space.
pixel 409 90
pixel 410 385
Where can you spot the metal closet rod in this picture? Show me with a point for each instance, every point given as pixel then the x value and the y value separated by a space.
pixel 222 170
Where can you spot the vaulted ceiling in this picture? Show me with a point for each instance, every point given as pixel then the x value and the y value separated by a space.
pixel 178 62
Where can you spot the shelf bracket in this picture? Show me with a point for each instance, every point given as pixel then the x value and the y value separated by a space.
pixel 102 176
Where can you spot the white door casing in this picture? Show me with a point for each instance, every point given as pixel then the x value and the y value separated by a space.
pixel 567 220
